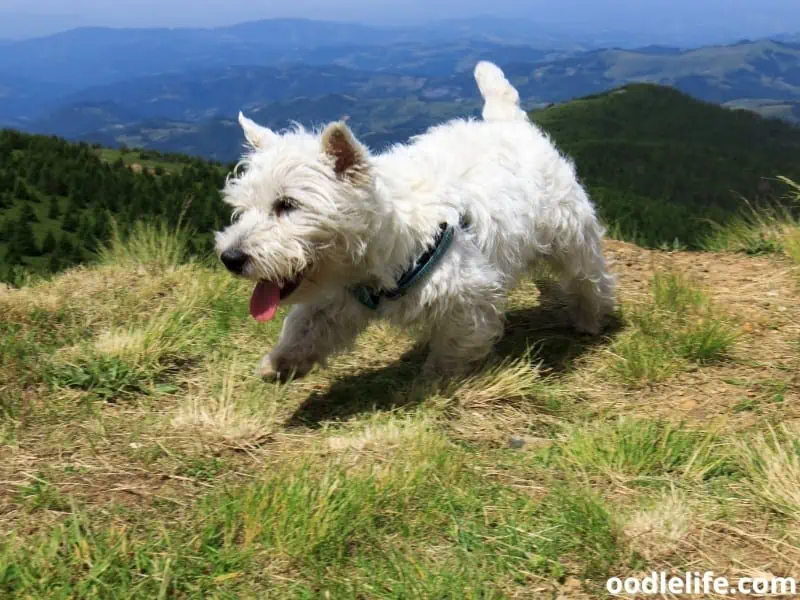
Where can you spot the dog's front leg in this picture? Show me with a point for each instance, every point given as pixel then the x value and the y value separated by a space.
pixel 312 333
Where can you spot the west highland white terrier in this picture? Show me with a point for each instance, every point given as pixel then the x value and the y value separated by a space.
pixel 432 233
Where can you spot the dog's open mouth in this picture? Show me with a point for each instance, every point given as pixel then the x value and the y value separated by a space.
pixel 267 295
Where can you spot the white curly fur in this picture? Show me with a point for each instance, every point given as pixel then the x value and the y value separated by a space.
pixel 363 219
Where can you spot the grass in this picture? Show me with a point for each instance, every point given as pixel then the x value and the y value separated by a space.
pixel 791 240
pixel 142 459
pixel 676 327
pixel 333 533
pixel 762 229
pixel 152 244
pixel 142 158
pixel 334 529
pixel 638 450
pixel 107 378
pixel 235 413
pixel 773 462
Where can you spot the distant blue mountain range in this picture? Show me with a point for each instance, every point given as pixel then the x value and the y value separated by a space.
pixel 180 89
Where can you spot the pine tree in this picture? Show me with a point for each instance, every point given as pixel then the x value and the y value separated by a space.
pixel 49 243
pixel 23 239
pixel 77 201
pixel 28 214
pixel 21 191
pixel 77 255
pixel 13 256
pixel 102 228
pixel 54 210
pixel 65 250
pixel 85 229
pixel 6 179
pixel 70 221
pixel 54 263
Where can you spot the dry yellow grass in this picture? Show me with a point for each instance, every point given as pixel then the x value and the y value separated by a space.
pixel 661 530
pixel 239 414
pixel 772 461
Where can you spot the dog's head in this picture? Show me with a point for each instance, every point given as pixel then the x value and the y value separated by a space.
pixel 303 206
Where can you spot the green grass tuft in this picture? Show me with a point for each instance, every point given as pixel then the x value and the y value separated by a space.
pixel 674 294
pixel 39 494
pixel 677 326
pixel 348 531
pixel 638 359
pixel 152 244
pixel 633 448
pixel 107 378
pixel 580 523
pixel 705 341
pixel 771 229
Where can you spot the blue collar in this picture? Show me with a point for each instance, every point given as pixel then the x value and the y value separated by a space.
pixel 421 267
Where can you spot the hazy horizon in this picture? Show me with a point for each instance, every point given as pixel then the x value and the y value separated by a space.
pixel 711 18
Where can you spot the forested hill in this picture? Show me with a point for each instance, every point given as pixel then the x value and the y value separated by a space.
pixel 660 164
pixel 58 199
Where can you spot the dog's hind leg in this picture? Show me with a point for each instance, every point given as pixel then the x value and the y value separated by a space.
pixel 587 284
pixel 312 333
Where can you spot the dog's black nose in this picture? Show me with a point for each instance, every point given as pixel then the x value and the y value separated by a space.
pixel 234 260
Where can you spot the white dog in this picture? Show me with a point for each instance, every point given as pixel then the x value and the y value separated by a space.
pixel 434 233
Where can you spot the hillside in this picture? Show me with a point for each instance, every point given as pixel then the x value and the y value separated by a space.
pixel 196 95
pixel 378 123
pixel 749 70
pixel 140 458
pixel 660 164
pixel 383 114
pixel 59 201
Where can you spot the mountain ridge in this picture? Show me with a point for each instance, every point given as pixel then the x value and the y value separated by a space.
pixel 663 165
pixel 763 76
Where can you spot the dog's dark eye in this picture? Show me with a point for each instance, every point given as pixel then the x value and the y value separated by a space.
pixel 283 205
pixel 239 169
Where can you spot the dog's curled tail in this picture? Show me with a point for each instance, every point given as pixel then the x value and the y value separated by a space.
pixel 500 97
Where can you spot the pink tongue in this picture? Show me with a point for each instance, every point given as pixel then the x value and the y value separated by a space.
pixel 265 300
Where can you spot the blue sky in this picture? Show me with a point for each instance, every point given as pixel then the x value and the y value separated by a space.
pixel 735 17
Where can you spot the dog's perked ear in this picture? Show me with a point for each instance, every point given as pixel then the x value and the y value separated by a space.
pixel 350 158
pixel 257 137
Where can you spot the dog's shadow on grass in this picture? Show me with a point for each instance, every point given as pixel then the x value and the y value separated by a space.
pixel 541 332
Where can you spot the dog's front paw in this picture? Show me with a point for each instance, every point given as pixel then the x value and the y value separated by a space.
pixel 283 368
